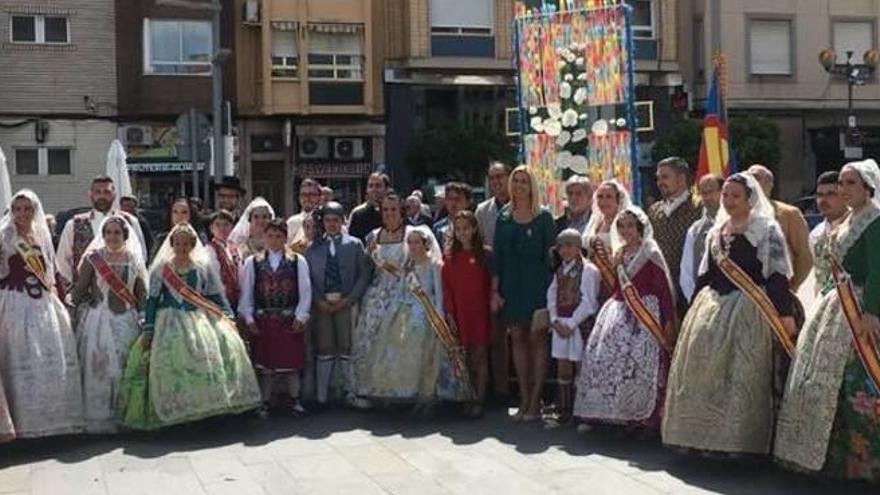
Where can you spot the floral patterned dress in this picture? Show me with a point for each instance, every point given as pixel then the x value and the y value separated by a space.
pixel 197 365
pixel 830 415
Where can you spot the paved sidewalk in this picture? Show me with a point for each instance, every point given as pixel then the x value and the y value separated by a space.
pixel 380 453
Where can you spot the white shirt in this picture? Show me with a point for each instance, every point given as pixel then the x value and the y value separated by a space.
pixel 64 257
pixel 589 303
pixel 670 205
pixel 295 225
pixel 687 278
pixel 304 285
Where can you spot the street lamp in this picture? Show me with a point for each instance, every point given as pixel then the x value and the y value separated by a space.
pixel 856 75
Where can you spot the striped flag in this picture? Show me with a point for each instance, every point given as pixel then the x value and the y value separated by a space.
pixel 716 151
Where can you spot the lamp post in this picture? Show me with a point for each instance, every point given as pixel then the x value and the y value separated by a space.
pixel 856 74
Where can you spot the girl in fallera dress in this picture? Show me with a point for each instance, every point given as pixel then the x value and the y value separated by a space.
pixel 626 358
pixel 189 363
pixel 39 369
pixel 109 292
pixel 224 256
pixel 467 289
pixel 247 235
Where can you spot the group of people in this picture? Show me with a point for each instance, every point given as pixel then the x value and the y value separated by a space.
pixel 681 320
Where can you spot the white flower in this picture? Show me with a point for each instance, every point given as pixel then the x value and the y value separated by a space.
pixel 563 159
pixel 569 56
pixel 554 111
pixel 580 61
pixel 569 118
pixel 561 64
pixel 537 124
pixel 600 127
pixel 583 116
pixel 552 127
pixel 533 110
pixel 579 164
pixel 621 122
pixel 582 76
pixel 580 95
pixel 578 135
pixel 565 90
pixel 569 77
pixel 563 139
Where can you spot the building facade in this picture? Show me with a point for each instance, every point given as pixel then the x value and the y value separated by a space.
pixel 58 95
pixel 309 95
pixel 773 70
pixel 164 67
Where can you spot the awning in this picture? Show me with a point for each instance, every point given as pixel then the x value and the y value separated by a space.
pixel 335 27
pixel 285 25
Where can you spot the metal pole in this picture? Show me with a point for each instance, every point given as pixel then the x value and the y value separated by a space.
pixel 715 26
pixel 194 151
pixel 217 99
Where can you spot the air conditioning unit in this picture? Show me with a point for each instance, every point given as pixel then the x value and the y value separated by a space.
pixel 348 148
pixel 252 12
pixel 136 135
pixel 311 148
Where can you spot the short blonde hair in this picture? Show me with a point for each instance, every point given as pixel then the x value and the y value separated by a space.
pixel 534 191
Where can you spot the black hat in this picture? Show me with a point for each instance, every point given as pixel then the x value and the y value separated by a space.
pixel 230 182
pixel 332 208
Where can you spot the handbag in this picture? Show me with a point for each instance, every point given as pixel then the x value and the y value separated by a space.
pixel 540 320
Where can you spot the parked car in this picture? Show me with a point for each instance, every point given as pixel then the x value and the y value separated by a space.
pixel 808 207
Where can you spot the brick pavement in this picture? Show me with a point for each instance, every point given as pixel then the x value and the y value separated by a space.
pixel 379 453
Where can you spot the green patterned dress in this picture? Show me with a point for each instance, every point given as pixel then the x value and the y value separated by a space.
pixel 830 416
pixel 197 365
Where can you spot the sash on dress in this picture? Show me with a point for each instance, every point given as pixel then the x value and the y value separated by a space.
pixel 119 288
pixel 33 263
pixel 744 283
pixel 447 334
pixel 865 345
pixel 634 302
pixel 228 273
pixel 600 259
pixel 190 295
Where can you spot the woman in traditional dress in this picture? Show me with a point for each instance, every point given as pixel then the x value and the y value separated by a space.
pixel 409 362
pixel 830 416
pixel 223 255
pixel 609 199
pixel 109 292
pixel 179 211
pixel 524 234
pixel 626 359
pixel 189 363
pixel 247 235
pixel 720 396
pixel 386 246
pixel 38 364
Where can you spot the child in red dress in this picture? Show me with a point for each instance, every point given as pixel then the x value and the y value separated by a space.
pixel 467 288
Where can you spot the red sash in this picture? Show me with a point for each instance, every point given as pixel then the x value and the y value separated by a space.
pixel 635 303
pixel 228 273
pixel 116 284
pixel 744 283
pixel 189 294
pixel 866 345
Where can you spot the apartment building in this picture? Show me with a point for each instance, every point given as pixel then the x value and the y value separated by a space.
pixel 309 95
pixel 773 70
pixel 164 67
pixel 58 95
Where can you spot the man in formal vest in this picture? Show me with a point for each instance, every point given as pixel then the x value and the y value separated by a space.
pixel 794 227
pixel 81 229
pixel 672 216
pixel 695 241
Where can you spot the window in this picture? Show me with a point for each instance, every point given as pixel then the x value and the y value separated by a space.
pixel 462 17
pixel 643 18
pixel 284 53
pixel 770 47
pixel 41 29
pixel 336 56
pixel 27 162
pixel 43 161
pixel 854 36
pixel 177 47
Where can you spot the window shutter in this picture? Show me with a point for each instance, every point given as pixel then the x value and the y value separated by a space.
pixel 462 13
pixel 336 43
pixel 770 47
pixel 283 43
pixel 855 36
